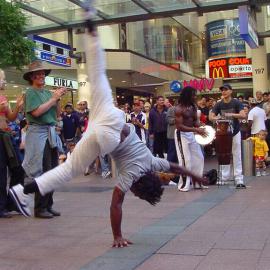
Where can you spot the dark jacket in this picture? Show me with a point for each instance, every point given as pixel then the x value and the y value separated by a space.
pixel 10 153
pixel 157 121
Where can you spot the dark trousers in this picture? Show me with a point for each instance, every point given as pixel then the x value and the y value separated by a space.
pixel 16 177
pixel 172 155
pixel 160 144
pixel 50 160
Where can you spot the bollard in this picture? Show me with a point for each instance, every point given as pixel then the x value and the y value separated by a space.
pixel 247 158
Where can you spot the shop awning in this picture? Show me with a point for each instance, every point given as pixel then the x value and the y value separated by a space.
pixel 51 15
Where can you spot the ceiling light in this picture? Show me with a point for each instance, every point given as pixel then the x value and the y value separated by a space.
pixel 124 81
pixel 110 79
pixel 15 86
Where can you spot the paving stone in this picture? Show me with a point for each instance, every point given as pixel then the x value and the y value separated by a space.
pixel 263 264
pixel 266 251
pixel 230 259
pixel 239 244
pixel 184 247
pixel 171 262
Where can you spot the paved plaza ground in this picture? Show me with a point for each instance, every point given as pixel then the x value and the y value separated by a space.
pixel 221 228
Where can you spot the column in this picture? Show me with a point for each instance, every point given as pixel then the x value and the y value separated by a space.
pixel 84 87
pixel 259 69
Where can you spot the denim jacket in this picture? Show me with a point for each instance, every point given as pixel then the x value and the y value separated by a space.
pixel 35 141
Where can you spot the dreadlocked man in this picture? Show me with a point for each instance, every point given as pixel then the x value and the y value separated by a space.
pixel 187 124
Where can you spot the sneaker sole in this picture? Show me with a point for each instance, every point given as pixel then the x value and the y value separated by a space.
pixel 18 203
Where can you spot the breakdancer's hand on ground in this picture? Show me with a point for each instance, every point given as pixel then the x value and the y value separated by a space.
pixel 120 242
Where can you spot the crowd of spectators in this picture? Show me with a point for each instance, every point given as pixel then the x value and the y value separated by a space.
pixel 154 124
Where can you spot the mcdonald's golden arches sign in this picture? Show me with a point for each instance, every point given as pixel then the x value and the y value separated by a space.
pixel 233 67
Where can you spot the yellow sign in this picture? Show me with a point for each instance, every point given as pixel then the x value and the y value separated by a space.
pixel 218 73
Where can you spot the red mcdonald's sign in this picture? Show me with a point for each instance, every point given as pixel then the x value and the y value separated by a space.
pixel 232 67
pixel 218 73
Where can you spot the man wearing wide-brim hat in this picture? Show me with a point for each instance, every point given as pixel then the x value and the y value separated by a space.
pixel 41 152
pixel 34 67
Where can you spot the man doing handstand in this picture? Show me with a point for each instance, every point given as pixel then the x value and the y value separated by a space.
pixel 108 134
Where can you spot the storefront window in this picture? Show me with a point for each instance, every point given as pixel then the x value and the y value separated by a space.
pixel 167 41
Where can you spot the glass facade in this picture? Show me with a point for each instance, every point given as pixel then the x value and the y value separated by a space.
pixel 167 41
pixel 67 13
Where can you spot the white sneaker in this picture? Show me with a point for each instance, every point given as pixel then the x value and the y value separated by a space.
pixel 197 186
pixel 106 174
pixel 171 183
pixel 258 173
pixel 20 199
pixel 184 189
pixel 264 173
pixel 220 183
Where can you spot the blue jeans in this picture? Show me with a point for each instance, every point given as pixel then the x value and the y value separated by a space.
pixel 104 163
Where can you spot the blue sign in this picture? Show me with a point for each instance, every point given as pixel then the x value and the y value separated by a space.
pixel 176 86
pixel 52 51
pixel 248 27
pixel 54 59
pixel 223 38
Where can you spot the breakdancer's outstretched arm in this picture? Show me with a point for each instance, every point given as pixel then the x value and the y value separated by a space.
pixel 145 190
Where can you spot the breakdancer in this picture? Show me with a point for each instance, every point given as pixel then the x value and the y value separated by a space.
pixel 108 134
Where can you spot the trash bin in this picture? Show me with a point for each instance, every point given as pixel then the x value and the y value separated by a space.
pixel 247 158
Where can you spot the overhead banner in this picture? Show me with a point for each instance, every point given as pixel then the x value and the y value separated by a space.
pixel 248 27
pixel 52 51
pixel 232 67
pixel 223 38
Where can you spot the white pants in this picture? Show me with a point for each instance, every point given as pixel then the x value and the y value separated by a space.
pixel 237 162
pixel 105 124
pixel 191 157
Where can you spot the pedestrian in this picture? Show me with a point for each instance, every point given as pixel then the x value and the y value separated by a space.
pixel 256 117
pixel 231 109
pixel 41 153
pixel 158 127
pixel 187 124
pixel 138 119
pixel 71 125
pixel 260 152
pixel 9 157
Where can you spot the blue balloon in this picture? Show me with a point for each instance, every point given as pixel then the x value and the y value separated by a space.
pixel 176 86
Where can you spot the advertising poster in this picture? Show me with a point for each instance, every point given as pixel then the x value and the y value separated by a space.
pixel 230 68
pixel 223 38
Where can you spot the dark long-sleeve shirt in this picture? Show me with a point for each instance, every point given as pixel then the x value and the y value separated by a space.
pixel 157 121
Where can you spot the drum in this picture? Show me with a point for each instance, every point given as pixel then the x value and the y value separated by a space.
pixel 224 141
pixel 211 133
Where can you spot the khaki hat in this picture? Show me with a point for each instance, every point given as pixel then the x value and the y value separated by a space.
pixel 35 66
